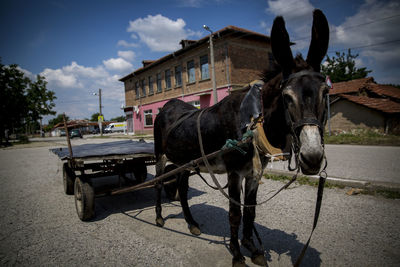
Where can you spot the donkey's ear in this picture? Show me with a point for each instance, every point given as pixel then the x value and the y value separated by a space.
pixel 280 45
pixel 319 40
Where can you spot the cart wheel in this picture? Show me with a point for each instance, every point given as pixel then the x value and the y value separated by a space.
pixel 140 171
pixel 171 190
pixel 84 199
pixel 68 179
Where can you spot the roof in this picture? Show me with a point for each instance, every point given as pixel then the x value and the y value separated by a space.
pixel 380 104
pixel 368 84
pixel 352 86
pixel 229 30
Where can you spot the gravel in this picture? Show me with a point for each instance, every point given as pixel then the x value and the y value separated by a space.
pixel 39 225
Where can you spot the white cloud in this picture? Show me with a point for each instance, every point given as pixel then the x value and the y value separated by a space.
pixel 128 55
pixel 117 64
pixel 375 24
pixel 74 85
pixel 126 44
pixel 160 33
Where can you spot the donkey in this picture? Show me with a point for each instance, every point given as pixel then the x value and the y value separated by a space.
pixel 293 106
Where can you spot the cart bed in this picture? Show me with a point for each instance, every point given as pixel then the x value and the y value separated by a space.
pixel 116 149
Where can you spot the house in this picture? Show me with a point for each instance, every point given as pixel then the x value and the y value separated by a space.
pixel 364 104
pixel 240 56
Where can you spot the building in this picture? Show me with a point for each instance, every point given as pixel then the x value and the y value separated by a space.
pixel 240 56
pixel 364 104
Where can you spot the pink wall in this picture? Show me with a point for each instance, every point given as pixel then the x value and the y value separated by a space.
pixel 206 100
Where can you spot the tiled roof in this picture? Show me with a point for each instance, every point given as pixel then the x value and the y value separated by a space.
pixel 380 104
pixel 385 90
pixel 352 86
pixel 368 84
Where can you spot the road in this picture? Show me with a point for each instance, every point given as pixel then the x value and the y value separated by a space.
pixel 39 225
pixel 367 163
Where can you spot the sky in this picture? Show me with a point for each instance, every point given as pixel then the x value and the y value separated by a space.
pixel 81 46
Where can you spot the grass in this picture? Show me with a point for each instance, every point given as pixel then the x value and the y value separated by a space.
pixel 304 180
pixel 362 137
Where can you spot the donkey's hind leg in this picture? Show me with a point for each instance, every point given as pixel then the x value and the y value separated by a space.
pixel 249 214
pixel 160 166
pixel 183 185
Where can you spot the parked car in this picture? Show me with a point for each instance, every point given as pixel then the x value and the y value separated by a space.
pixel 62 133
pixel 75 133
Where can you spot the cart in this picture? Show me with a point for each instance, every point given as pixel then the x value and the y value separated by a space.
pixel 83 164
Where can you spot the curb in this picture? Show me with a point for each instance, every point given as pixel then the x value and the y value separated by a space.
pixel 362 184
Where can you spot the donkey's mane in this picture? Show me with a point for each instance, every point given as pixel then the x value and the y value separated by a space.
pixel 275 69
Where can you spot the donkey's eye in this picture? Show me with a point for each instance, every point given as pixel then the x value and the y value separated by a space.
pixel 288 99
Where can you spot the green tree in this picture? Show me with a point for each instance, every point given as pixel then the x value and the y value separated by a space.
pixel 55 121
pixel 94 116
pixel 22 101
pixel 13 102
pixel 40 100
pixel 343 68
pixel 118 119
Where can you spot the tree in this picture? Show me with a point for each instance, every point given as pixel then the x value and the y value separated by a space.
pixel 40 100
pixel 13 103
pixel 118 119
pixel 342 68
pixel 22 101
pixel 55 121
pixel 95 116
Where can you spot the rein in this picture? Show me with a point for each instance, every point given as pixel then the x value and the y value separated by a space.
pixel 296 150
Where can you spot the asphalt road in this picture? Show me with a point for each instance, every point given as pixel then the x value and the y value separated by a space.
pixel 367 163
pixel 39 225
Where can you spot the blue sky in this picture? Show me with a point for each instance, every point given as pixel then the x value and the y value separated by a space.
pixel 80 46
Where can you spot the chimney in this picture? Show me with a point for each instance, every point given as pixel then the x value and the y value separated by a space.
pixel 186 43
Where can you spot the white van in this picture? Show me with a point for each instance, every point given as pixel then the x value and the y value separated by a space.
pixel 115 127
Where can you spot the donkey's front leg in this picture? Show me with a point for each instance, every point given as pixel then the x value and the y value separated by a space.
pixel 249 214
pixel 235 215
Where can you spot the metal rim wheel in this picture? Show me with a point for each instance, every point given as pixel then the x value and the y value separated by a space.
pixel 68 179
pixel 84 199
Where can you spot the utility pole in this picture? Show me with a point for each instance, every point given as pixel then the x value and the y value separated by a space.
pixel 215 97
pixel 100 118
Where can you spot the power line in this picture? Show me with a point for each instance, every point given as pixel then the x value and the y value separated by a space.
pixel 351 26
pixel 366 46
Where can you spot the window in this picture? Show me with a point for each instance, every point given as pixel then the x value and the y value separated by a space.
pixel 143 86
pixel 151 89
pixel 191 72
pixel 168 79
pixel 159 89
pixel 178 76
pixel 204 67
pixel 148 117
pixel 195 104
pixel 137 90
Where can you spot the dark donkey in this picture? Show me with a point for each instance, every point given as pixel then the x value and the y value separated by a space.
pixel 293 106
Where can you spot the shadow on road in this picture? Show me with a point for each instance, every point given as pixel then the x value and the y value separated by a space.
pixel 213 222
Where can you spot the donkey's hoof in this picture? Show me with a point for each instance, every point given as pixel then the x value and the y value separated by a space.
pixel 194 230
pixel 238 262
pixel 160 222
pixel 259 259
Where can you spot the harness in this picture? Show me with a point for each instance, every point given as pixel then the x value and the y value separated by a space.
pixel 261 144
pixel 295 126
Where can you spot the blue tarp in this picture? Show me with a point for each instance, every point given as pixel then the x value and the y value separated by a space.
pixel 126 147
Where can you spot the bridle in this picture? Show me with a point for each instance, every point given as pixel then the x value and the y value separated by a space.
pixel 295 126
